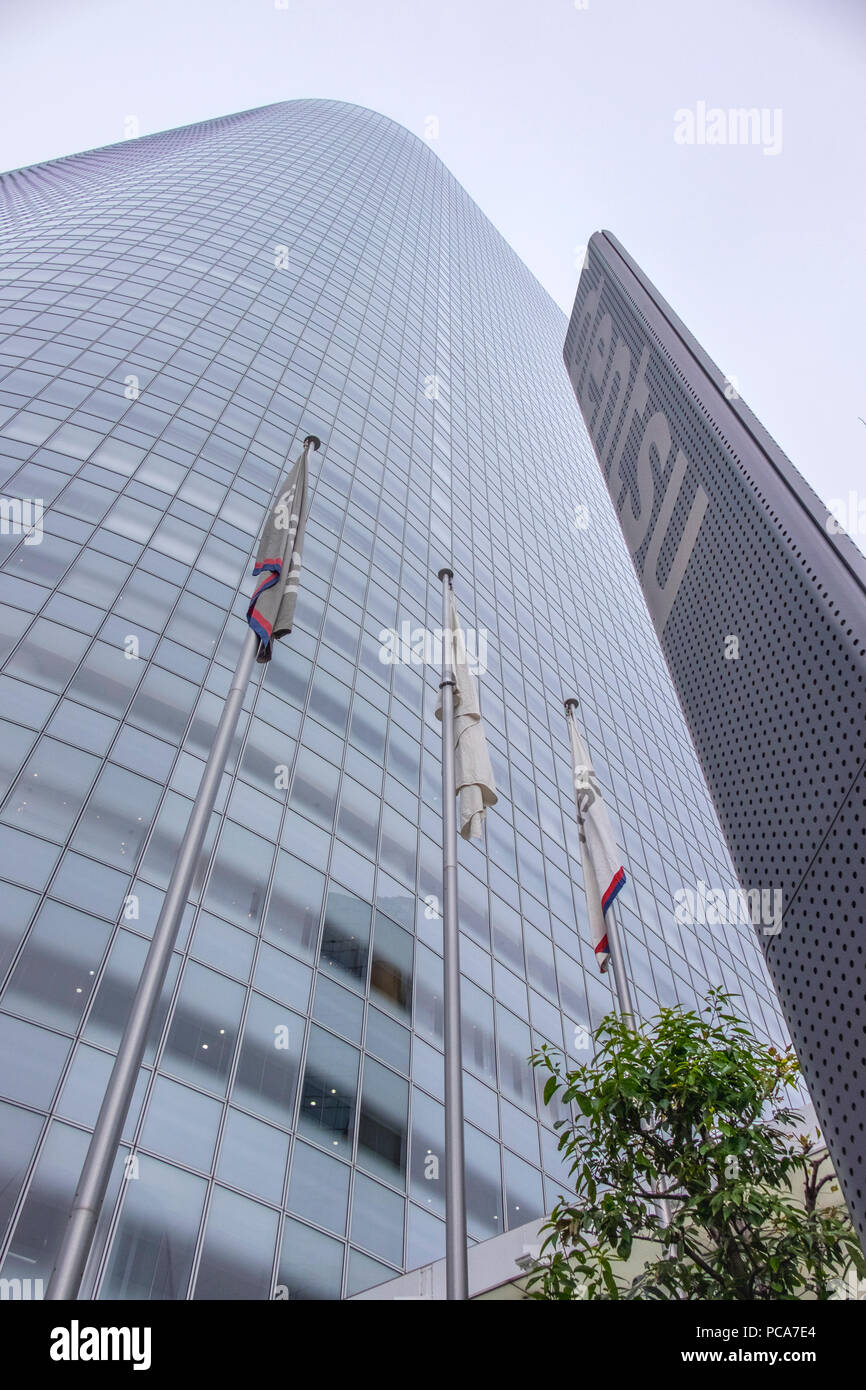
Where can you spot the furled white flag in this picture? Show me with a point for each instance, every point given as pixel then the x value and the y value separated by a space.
pixel 271 609
pixel 603 873
pixel 473 774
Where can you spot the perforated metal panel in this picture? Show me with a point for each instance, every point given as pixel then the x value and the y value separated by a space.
pixel 778 729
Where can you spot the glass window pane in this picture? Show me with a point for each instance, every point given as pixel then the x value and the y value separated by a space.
pixel 429 1002
pixel 314 787
pixel 483 1185
pixel 377 1219
pixel 18 908
pixel 45 1213
pixel 84 883
pixel 117 817
pixel 398 848
pixel 295 906
pixel 254 808
pixel 26 859
pixel 346 934
pixel 161 853
pixel 146 601
pixel 238 1252
pixel 239 876
pixel 366 1273
pixel 95 578
pixel 53 979
pixel 387 1039
pixel 225 947
pixel 204 1028
pixel 267 1073
pixel 516 1077
pixel 319 1188
pixel 181 1123
pixel 391 969
pixel 253 1156
pixel 84 1089
pixel 426 1240
pixel 163 704
pixel 31 1060
pixel 106 679
pixel 151 1254
pixel 480 1104
pixel 303 838
pixel 110 1011
pixel 51 790
pixel 268 749
pixel 507 934
pixel 329 701
pixel 12 624
pixel 338 1009
pixel 48 655
pixel 519 1131
pixel 19 1130
pixel 358 823
pixel 330 1092
pixel 282 977
pixel 427 1152
pixel 539 961
pixel 523 1191
pixel 23 703
pixel 383 1122
pixel 311 1264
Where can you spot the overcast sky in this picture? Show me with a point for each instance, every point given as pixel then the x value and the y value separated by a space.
pixel 558 119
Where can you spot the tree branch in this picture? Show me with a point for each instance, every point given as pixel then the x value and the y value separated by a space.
pixel 708 1269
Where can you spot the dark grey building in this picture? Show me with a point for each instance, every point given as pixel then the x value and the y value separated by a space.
pixel 176 313
pixel 759 603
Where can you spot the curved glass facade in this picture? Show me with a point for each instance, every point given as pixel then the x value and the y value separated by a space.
pixel 175 314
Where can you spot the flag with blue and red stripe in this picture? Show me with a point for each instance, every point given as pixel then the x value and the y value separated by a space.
pixel 271 609
pixel 603 872
pixel 272 569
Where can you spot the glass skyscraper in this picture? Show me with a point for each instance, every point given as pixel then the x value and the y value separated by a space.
pixel 176 313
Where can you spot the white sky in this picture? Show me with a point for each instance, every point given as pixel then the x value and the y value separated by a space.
pixel 558 121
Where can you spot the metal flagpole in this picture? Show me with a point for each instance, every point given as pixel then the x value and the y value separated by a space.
pixel 456 1262
pixel 620 977
pixel 90 1193
pixel 89 1196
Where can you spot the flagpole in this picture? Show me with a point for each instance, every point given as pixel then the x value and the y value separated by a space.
pixel 92 1185
pixel 620 978
pixel 456 1262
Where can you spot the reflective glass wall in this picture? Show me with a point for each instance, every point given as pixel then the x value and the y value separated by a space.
pixel 176 313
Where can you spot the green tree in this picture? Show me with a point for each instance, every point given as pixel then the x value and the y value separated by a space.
pixel 690 1109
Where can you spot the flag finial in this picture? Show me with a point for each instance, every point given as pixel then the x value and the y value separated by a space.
pixel 571 704
pixel 443 572
pixel 315 441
